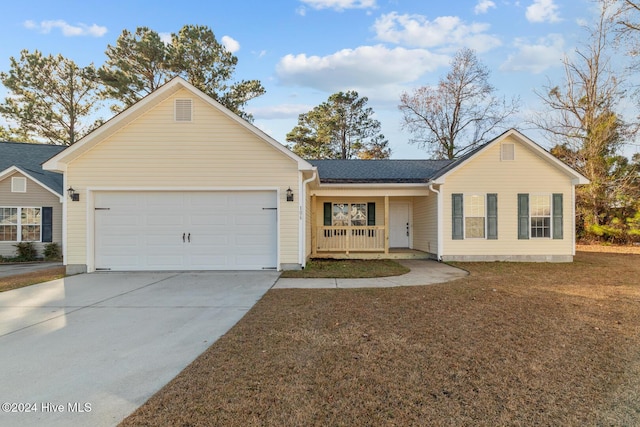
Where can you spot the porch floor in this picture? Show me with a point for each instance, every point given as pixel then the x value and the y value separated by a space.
pixel 394 253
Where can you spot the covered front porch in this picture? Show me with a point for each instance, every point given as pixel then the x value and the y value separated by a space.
pixel 372 223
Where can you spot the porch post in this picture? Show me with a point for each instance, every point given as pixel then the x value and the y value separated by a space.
pixel 386 224
pixel 314 241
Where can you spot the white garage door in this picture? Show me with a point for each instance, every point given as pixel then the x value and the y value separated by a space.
pixel 185 231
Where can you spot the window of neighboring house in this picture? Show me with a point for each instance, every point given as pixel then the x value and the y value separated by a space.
pixel 20 224
pixel 18 184
pixel 474 216
pixel 540 212
pixel 508 152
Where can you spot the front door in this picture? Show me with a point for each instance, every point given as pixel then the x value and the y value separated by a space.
pixel 399 225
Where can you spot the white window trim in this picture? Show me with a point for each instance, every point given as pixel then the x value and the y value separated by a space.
pixel 550 216
pixel 464 216
pixel 18 188
pixel 19 224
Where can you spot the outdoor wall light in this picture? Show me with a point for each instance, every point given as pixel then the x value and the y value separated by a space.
pixel 75 197
pixel 289 195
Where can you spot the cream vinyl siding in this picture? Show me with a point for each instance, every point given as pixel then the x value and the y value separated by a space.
pixel 528 173
pixel 36 196
pixel 155 152
pixel 425 223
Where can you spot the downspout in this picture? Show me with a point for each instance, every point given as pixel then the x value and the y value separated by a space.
pixel 303 219
pixel 439 220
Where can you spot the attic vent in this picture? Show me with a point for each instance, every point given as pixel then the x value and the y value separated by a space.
pixel 18 184
pixel 508 151
pixel 183 109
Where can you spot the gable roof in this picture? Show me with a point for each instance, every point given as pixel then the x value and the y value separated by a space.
pixel 59 162
pixel 576 177
pixel 422 171
pixel 28 159
pixel 377 171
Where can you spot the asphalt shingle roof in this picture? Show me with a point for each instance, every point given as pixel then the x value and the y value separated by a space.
pixel 378 171
pixel 29 158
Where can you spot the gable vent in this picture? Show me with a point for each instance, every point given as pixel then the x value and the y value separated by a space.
pixel 183 110
pixel 508 151
pixel 18 184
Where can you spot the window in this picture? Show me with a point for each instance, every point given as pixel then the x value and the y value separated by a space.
pixel 540 216
pixel 345 214
pixel 540 211
pixel 474 219
pixel 20 224
pixel 18 184
pixel 474 216
pixel 9 224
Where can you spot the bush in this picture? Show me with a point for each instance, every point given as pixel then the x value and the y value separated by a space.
pixel 52 252
pixel 25 251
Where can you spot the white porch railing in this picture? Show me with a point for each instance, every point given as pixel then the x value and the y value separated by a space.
pixel 346 239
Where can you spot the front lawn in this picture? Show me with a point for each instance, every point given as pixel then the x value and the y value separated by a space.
pixel 348 269
pixel 27 279
pixel 511 344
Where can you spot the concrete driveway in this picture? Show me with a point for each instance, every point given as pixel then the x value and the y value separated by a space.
pixel 90 349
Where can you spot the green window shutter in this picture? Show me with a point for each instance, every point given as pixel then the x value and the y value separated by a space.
pixel 457 216
pixel 492 216
pixel 327 213
pixel 523 216
pixel 557 216
pixel 371 214
pixel 47 224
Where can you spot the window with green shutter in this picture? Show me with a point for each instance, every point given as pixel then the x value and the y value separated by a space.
pixel 557 216
pixel 523 216
pixel 457 201
pixel 492 216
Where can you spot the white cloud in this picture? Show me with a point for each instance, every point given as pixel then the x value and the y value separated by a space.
pixel 282 111
pixel 543 11
pixel 483 6
pixel 447 32
pixel 68 30
pixel 339 4
pixel 230 44
pixel 546 53
pixel 363 67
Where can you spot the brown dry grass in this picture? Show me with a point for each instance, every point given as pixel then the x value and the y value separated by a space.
pixel 27 279
pixel 512 344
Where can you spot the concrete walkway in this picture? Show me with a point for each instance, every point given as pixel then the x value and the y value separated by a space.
pixel 423 272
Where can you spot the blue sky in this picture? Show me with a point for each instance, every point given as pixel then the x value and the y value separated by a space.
pixel 304 50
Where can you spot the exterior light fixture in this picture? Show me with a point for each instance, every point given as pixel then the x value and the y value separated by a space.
pixel 289 195
pixel 75 197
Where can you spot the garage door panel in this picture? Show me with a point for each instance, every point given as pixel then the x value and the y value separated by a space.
pixel 228 230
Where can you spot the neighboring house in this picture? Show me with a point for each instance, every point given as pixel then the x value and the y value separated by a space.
pixel 178 182
pixel 30 197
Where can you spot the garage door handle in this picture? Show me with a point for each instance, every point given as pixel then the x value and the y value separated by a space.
pixel 183 237
pixel 189 237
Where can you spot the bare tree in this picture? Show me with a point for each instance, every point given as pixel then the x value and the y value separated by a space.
pixel 581 117
pixel 459 113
